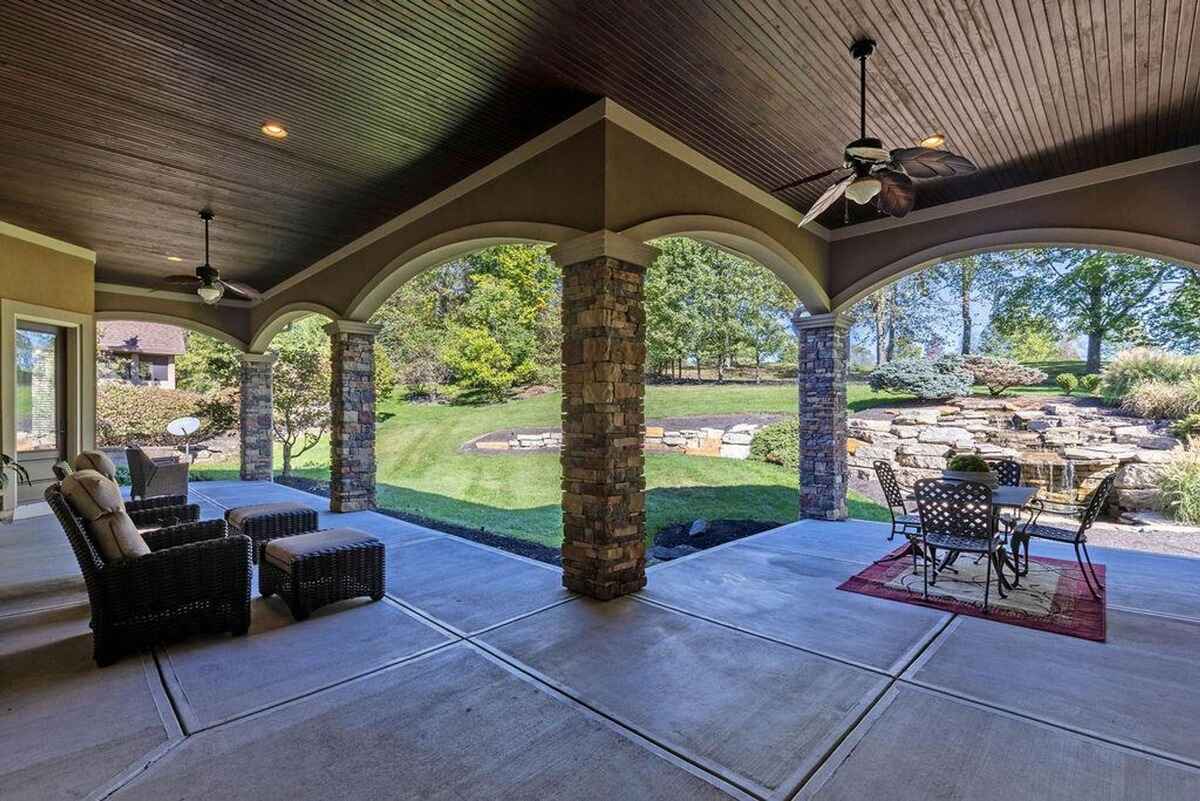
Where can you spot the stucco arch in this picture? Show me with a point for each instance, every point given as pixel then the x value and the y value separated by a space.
pixel 444 247
pixel 741 240
pixel 281 318
pixel 1185 253
pixel 180 322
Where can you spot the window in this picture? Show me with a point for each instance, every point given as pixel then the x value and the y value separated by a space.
pixel 37 389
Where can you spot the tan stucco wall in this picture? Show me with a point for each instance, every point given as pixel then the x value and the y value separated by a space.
pixel 32 273
pixel 1127 213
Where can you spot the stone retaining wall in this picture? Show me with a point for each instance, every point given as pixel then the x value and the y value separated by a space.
pixel 732 442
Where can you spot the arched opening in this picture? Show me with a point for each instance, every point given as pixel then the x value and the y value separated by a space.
pixel 151 370
pixel 1074 361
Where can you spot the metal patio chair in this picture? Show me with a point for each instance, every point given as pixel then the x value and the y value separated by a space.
pixel 1077 538
pixel 903 522
pixel 1007 471
pixel 957 517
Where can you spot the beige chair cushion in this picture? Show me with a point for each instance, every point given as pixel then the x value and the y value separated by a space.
pixel 238 514
pixel 95 460
pixel 286 550
pixel 98 501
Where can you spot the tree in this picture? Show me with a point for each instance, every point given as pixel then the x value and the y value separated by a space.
pixel 301 381
pixel 1178 325
pixel 478 363
pixel 207 364
pixel 1100 294
pixel 966 282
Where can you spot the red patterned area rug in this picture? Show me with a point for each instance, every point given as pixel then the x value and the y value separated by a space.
pixel 1052 597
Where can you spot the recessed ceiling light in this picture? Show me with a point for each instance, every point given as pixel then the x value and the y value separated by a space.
pixel 274 130
pixel 934 140
pixel 174 258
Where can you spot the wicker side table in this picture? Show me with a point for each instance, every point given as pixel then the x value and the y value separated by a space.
pixel 311 570
pixel 267 521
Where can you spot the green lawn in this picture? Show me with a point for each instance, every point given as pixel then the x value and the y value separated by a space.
pixel 422 471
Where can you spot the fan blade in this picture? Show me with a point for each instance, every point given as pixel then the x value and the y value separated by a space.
pixel 182 280
pixel 244 290
pixel 826 200
pixel 815 177
pixel 896 194
pixel 924 162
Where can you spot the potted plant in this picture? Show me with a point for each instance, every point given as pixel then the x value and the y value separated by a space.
pixel 8 463
pixel 969 467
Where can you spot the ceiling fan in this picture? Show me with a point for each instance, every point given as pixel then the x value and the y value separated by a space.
pixel 877 176
pixel 207 281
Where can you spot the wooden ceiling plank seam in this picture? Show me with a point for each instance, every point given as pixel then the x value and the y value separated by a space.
pixel 1103 71
pixel 1051 36
pixel 1166 71
pixel 1189 106
pixel 1129 69
pixel 1142 77
pixel 1154 42
pixel 1082 40
pixel 1045 85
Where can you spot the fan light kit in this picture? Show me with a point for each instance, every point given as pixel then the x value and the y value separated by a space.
pixel 877 176
pixel 207 281
pixel 274 130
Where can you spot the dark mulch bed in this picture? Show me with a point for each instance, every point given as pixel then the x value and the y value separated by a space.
pixel 530 550
pixel 718 532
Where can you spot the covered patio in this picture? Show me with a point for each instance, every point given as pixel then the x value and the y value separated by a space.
pixel 739 672
pixel 345 149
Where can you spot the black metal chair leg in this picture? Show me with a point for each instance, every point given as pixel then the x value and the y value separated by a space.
pixel 925 572
pixel 1083 570
pixel 998 559
pixel 1088 557
pixel 987 584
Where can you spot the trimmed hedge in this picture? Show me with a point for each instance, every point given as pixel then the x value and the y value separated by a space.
pixel 126 413
pixel 778 443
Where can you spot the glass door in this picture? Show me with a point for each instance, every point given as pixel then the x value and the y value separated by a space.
pixel 41 404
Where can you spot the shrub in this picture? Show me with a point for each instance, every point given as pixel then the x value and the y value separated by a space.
pixel 928 380
pixel 1188 427
pixel 1000 374
pixel 126 413
pixel 968 463
pixel 1179 482
pixel 1133 367
pixel 1089 382
pixel 1164 398
pixel 778 443
pixel 1067 382
pixel 480 366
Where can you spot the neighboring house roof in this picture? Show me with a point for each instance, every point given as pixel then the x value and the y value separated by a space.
pixel 139 337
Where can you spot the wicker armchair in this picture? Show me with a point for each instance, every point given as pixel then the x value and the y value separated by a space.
pixel 155 477
pixel 163 510
pixel 195 579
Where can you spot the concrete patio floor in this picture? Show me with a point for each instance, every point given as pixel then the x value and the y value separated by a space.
pixel 739 672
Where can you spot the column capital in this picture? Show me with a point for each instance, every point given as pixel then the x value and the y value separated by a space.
pixel 802 321
pixel 603 243
pixel 259 358
pixel 352 327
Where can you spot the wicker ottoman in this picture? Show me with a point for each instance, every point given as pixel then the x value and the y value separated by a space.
pixel 311 570
pixel 267 521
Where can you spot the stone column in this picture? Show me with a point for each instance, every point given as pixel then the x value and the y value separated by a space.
pixel 604 351
pixel 257 438
pixel 352 425
pixel 824 354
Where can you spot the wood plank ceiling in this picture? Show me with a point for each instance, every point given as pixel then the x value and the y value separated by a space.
pixel 119 119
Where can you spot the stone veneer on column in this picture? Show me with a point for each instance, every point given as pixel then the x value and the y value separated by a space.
pixel 604 521
pixel 257 441
pixel 824 353
pixel 352 425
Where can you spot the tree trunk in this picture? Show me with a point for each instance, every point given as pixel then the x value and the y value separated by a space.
pixel 966 310
pixel 757 367
pixel 1093 356
pixel 891 323
pixel 287 460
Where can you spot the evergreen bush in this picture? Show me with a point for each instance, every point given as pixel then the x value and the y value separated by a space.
pixel 1067 382
pixel 940 380
pixel 778 443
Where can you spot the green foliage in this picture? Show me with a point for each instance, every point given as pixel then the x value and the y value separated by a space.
pixel 126 413
pixel 478 363
pixel 1164 399
pixel 1176 324
pixel 1022 335
pixel 300 382
pixel 1179 483
pixel 1000 374
pixel 1133 367
pixel 207 364
pixel 925 379
pixel 1090 382
pixel 1067 382
pixel 778 443
pixel 1187 427
pixel 385 373
pixel 967 463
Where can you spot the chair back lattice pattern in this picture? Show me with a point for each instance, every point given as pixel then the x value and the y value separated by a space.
pixel 1096 503
pixel 891 487
pixel 955 508
pixel 89 559
pixel 1007 471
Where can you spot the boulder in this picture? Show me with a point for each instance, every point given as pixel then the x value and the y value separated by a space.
pixel 665 554
pixel 744 427
pixel 918 460
pixel 1158 443
pixel 918 417
pixel 1153 457
pixel 1137 476
pixel 906 432
pixel 1138 500
pixel 673 440
pixel 736 451
pixel 949 435
pixel 924 449
pixel 697 527
pixel 1044 424
pixel 1131 433
pixel 872 452
pixel 655 431
pixel 867 424
pixel 737 438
